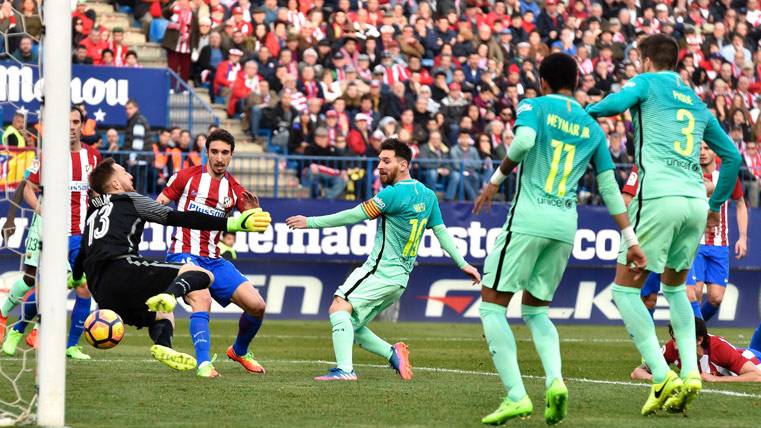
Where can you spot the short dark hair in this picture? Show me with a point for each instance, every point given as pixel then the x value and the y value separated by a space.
pixel 101 174
pixel 662 50
pixel 221 135
pixel 134 103
pixel 560 71
pixel 400 149
pixel 78 110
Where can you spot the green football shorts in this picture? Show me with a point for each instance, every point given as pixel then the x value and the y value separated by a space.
pixel 525 262
pixel 368 295
pixel 668 229
pixel 33 243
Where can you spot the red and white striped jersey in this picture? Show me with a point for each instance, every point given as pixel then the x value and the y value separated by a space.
pixel 194 189
pixel 395 73
pixel 719 235
pixel 720 359
pixel 82 162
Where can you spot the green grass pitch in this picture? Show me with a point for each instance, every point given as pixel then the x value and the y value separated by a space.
pixel 454 383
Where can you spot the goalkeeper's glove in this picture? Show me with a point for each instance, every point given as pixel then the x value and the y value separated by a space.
pixel 75 283
pixel 253 220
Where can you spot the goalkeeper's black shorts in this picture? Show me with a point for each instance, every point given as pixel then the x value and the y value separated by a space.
pixel 123 285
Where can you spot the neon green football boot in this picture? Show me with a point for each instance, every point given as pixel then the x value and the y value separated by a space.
pixel 207 370
pixel 11 342
pixel 678 403
pixel 163 302
pixel 509 410
pixel 660 392
pixel 174 359
pixel 75 353
pixel 557 402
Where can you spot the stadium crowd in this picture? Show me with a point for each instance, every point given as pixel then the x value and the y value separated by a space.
pixel 333 78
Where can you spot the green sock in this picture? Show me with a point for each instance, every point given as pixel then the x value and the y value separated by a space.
pixel 683 323
pixel 502 348
pixel 546 340
pixel 15 297
pixel 343 338
pixel 641 328
pixel 370 342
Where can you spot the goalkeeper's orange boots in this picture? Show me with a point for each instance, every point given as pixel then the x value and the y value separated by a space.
pixel 247 361
pixel 31 338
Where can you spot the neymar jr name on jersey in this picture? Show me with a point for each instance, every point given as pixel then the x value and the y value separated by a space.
pixel 570 128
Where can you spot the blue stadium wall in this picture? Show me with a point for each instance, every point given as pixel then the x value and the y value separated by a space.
pixel 297 272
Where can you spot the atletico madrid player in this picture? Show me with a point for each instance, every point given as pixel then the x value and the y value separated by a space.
pixel 212 190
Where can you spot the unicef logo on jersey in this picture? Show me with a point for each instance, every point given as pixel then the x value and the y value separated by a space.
pixel 552 201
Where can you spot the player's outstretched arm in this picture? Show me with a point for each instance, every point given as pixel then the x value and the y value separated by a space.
pixel 725 148
pixel 254 220
pixel 9 227
pixel 748 373
pixel 741 246
pixel 341 218
pixel 630 95
pixel 448 245
pixel 525 138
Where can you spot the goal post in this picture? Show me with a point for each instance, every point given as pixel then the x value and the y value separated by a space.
pixel 51 355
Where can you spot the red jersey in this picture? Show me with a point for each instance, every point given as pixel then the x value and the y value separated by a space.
pixel 193 189
pixel 718 236
pixel 720 359
pixel 82 162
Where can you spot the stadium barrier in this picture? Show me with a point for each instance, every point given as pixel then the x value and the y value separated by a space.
pixel 298 271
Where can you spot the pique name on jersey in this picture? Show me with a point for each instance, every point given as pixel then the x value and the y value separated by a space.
pixel 203 209
pixel 563 125
pixel 684 98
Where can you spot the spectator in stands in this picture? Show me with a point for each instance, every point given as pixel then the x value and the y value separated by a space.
pixel 226 73
pixel 245 83
pixel 77 34
pixel 324 177
pixel 80 56
pixel 359 136
pixel 117 46
pixel 619 156
pixel 32 21
pixel 209 58
pixel 281 117
pixel 94 46
pixel 180 37
pixel 86 16
pixel 107 58
pixel 464 176
pixel 112 140
pixel 137 133
pixel 752 157
pixel 25 52
pixel 131 60
pixel 433 161
pixel 255 104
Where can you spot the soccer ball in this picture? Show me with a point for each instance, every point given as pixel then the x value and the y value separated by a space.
pixel 104 329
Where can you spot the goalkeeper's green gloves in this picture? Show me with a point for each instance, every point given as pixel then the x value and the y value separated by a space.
pixel 253 220
pixel 75 283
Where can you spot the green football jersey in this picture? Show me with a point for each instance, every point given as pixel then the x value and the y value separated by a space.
pixel 567 141
pixel 670 121
pixel 404 211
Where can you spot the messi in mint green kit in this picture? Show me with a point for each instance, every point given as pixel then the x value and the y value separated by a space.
pixel 405 208
pixel 669 211
pixel 554 143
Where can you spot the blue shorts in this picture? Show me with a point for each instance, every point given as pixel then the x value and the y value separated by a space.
pixel 74 241
pixel 652 285
pixel 711 266
pixel 226 276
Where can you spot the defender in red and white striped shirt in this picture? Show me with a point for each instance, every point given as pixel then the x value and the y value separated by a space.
pixel 212 190
pixel 711 265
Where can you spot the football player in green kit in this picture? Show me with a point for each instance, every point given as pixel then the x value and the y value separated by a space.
pixel 555 141
pixel 669 212
pixel 405 208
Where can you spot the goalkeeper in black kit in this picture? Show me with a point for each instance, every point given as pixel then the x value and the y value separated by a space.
pixel 144 292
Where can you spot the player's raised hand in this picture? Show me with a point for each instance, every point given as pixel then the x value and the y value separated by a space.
pixel 636 260
pixel 472 273
pixel 713 220
pixel 484 199
pixel 741 248
pixel 254 220
pixel 297 222
pixel 250 201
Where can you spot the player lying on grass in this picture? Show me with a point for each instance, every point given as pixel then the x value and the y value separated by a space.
pixel 554 143
pixel 718 360
pixel 405 209
pixel 211 189
pixel 670 211
pixel 144 293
